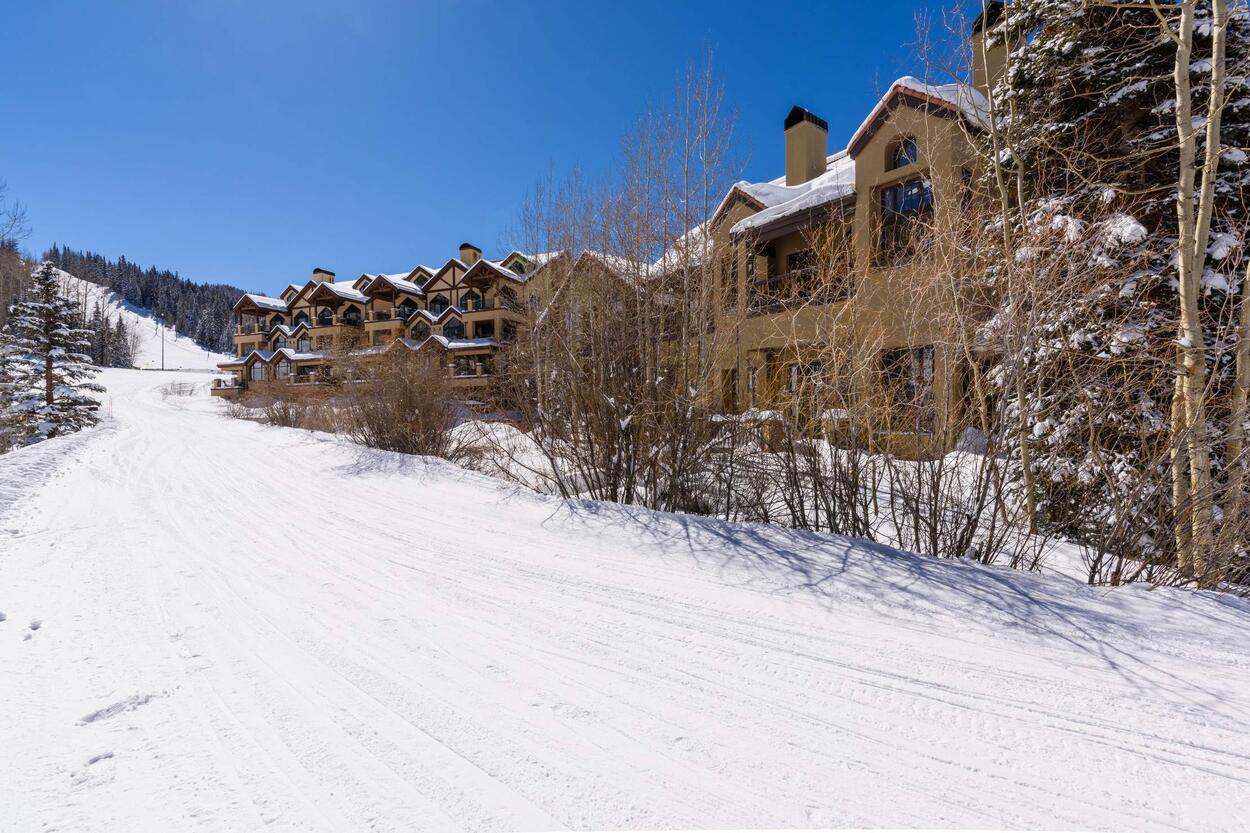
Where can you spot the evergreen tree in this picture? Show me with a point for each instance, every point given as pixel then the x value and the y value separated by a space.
pixel 47 367
pixel 1087 108
pixel 180 303
pixel 96 324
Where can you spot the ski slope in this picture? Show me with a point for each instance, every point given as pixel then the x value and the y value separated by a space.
pixel 156 343
pixel 244 627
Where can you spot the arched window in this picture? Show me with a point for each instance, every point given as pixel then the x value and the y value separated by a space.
pixel 420 331
pixel 904 153
pixel 325 317
pixel 351 315
pixel 438 304
pixel 406 308
pixel 471 300
pixel 301 317
pixel 454 328
pixel 275 321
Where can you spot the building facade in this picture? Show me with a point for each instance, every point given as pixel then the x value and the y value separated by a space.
pixel 461 313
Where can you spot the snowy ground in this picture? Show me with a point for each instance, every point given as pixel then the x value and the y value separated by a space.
pixel 243 626
pixel 157 344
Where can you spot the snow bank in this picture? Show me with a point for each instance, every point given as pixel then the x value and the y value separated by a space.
pixel 275 629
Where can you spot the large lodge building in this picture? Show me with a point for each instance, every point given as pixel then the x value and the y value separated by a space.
pixel 463 311
pixel 907 164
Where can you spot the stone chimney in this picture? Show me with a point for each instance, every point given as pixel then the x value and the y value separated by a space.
pixel 470 254
pixel 322 275
pixel 807 136
pixel 987 64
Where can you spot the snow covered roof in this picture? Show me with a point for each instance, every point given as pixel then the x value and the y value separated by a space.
pixel 344 290
pixel 960 98
pixel 463 343
pixel 496 267
pixel 263 302
pixel 782 201
pixel 398 281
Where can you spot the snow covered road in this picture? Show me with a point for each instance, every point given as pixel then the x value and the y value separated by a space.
pixel 246 627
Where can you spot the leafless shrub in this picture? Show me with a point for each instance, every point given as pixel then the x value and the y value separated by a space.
pixel 399 402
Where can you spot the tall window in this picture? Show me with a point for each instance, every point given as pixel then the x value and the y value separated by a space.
pixel 301 317
pixel 471 300
pixel 908 377
pixel 325 317
pixel 304 345
pixel 438 304
pixel 257 372
pixel 729 277
pixel 903 153
pixel 454 328
pixel 279 343
pixel 406 308
pixel 284 369
pixel 351 315
pixel 420 331
pixel 904 208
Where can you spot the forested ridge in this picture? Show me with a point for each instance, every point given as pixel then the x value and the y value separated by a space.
pixel 198 311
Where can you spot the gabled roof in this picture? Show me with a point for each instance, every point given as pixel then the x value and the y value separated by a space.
pixel 342 291
pixel 948 100
pixel 495 269
pixel 451 263
pixel 399 283
pixel 451 310
pixel 262 302
pixel 288 330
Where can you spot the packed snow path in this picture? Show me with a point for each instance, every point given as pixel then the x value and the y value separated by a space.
pixel 214 625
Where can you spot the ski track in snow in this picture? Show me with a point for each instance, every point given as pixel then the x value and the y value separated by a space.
pixel 249 627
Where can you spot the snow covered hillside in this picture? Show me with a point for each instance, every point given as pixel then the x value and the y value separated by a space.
pixel 216 625
pixel 180 352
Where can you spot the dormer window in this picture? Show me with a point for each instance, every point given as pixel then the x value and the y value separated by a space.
pixel 904 153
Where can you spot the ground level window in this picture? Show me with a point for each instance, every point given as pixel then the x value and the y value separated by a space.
pixel 908 378
pixel 257 373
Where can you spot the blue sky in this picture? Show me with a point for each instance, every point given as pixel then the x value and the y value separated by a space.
pixel 247 142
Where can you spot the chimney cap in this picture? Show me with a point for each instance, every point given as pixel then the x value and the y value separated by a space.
pixel 464 246
pixel 799 114
pixel 318 269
